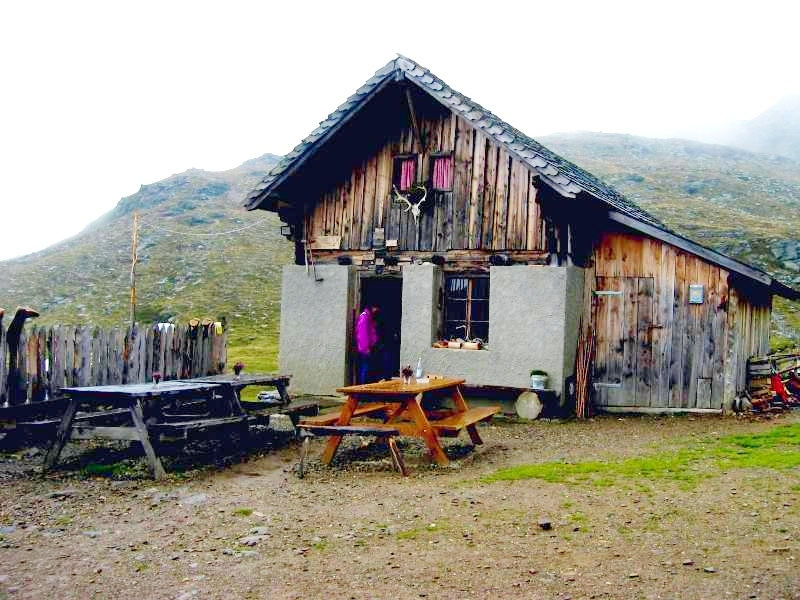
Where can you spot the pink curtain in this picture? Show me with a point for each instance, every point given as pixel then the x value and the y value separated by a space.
pixel 443 173
pixel 408 170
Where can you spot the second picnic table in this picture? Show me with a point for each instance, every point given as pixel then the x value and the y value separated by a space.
pixel 404 412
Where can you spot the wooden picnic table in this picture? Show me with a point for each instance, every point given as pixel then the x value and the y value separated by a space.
pixel 404 412
pixel 132 398
pixel 232 385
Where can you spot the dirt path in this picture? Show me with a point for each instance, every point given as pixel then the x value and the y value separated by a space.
pixel 360 531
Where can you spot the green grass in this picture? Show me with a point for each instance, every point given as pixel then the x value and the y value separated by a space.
pixel 778 448
pixel 243 512
pixel 119 470
pixel 408 534
pixel 320 545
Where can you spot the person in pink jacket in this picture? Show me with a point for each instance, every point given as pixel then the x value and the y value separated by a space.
pixel 366 334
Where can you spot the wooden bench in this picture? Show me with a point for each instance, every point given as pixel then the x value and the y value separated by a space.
pixel 457 421
pixel 361 410
pixel 179 430
pixel 376 430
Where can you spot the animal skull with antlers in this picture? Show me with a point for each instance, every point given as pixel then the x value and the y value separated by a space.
pixel 414 208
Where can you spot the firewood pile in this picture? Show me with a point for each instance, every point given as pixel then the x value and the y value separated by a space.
pixel 773 382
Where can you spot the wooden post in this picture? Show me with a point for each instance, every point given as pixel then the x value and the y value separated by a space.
pixel 414 123
pixel 134 244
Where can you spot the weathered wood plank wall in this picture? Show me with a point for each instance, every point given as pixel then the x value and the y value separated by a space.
pixel 681 355
pixel 61 356
pixel 493 205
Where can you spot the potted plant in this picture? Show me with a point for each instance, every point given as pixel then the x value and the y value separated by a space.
pixel 538 379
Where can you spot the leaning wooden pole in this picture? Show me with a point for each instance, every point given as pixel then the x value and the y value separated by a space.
pixel 134 257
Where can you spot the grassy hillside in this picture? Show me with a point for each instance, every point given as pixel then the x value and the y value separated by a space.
pixel 743 204
pixel 188 266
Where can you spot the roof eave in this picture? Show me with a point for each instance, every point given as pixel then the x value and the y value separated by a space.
pixel 713 256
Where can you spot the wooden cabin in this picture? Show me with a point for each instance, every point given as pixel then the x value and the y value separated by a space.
pixel 460 226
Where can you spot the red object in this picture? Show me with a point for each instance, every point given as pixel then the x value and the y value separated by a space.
pixel 443 173
pixel 780 390
pixel 408 170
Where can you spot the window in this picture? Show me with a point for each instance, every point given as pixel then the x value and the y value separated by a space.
pixel 442 173
pixel 405 172
pixel 466 308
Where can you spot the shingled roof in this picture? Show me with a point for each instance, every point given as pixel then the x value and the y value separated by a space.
pixel 566 177
pixel 562 175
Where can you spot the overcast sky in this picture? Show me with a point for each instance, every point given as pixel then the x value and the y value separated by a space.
pixel 99 98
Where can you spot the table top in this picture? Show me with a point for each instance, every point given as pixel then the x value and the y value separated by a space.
pixel 139 390
pixel 395 387
pixel 243 379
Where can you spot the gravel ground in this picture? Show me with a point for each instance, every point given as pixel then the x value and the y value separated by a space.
pixel 359 530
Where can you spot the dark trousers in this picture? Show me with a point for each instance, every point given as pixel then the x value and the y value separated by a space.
pixel 364 364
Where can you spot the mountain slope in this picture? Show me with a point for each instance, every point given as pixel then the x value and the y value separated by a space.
pixel 188 266
pixel 775 131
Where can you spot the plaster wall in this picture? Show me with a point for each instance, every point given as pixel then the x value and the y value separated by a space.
pixel 534 314
pixel 316 322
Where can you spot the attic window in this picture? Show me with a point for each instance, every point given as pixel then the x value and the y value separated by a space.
pixel 442 173
pixel 405 171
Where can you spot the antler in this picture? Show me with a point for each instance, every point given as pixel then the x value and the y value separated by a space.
pixel 424 194
pixel 403 198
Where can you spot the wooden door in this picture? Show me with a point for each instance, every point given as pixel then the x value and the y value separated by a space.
pixel 623 374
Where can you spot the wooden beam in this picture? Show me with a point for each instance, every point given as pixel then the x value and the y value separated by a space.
pixel 414 123
pixel 88 432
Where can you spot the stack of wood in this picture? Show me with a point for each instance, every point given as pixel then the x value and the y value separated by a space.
pixel 583 374
pixel 763 373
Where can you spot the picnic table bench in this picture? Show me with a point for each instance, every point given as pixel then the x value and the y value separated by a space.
pixel 130 398
pixel 403 413
pixel 167 411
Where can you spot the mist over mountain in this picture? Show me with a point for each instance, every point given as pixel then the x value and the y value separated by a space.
pixel 775 131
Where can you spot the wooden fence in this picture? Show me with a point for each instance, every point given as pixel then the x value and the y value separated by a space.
pixel 59 356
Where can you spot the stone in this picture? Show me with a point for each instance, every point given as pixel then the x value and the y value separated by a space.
pixel 259 531
pixel 251 540
pixel 280 423
pixel 159 497
pixel 92 533
pixel 32 452
pixel 688 562
pixel 61 494
pixel 228 551
pixel 709 570
pixel 248 553
pixel 194 500
pixel 545 524
pixel 5 530
pixel 120 485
